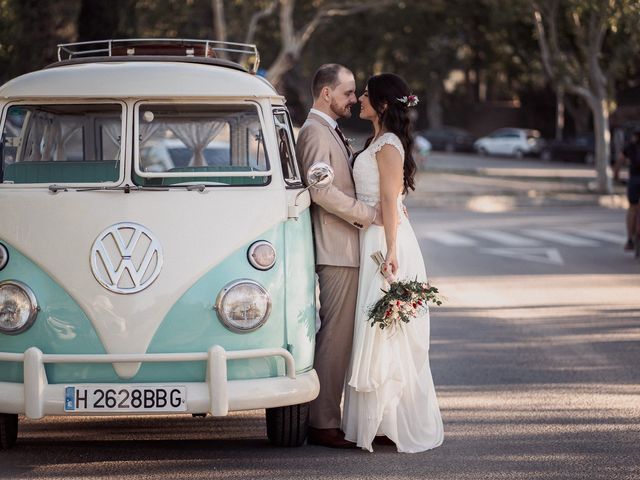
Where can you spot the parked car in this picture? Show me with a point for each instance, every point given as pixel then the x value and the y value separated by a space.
pixel 515 142
pixel 421 150
pixel 136 287
pixel 449 139
pixel 580 148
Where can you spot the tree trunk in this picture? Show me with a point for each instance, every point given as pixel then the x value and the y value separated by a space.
pixel 289 51
pixel 293 41
pixel 434 105
pixel 559 113
pixel 285 62
pixel 219 23
pixel 600 111
pixel 580 113
pixel 468 85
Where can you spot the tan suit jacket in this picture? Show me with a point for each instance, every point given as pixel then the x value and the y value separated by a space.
pixel 337 215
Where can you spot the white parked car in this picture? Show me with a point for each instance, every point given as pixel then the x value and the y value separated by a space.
pixel 516 142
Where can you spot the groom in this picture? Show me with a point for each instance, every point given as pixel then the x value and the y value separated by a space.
pixel 337 217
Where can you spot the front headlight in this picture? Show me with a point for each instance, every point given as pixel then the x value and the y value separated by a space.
pixel 18 307
pixel 243 305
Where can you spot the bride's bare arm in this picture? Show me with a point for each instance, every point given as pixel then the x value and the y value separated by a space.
pixel 390 164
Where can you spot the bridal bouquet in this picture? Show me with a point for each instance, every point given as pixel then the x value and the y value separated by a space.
pixel 403 300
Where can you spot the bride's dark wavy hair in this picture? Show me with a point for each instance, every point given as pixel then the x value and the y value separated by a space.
pixel 384 91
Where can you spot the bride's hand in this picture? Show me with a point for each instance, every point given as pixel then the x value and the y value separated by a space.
pixel 391 263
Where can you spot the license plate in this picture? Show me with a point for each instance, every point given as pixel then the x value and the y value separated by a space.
pixel 125 398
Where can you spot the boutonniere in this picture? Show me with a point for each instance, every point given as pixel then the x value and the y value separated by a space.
pixel 349 140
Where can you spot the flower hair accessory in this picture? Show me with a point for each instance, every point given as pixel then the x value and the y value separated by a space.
pixel 409 101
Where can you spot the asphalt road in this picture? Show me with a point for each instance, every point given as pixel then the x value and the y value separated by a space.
pixel 534 355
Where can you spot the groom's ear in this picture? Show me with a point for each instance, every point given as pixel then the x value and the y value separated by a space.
pixel 325 93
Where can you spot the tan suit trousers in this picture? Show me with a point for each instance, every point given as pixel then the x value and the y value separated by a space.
pixel 338 294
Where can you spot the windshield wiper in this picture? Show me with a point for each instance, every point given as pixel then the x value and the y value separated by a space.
pixel 125 188
pixel 200 187
pixel 57 188
pixel 196 187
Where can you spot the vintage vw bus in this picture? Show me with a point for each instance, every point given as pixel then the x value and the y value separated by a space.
pixel 156 251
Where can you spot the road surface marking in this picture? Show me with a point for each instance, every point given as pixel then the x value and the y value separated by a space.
pixel 604 236
pixel 561 238
pixel 550 256
pixel 505 238
pixel 449 239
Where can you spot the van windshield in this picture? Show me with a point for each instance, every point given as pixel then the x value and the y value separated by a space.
pixel 192 143
pixel 61 144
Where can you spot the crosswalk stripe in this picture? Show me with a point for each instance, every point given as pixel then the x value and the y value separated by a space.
pixel 561 238
pixel 604 236
pixel 524 238
pixel 540 255
pixel 449 239
pixel 505 238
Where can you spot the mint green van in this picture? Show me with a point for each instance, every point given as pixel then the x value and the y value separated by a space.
pixel 156 253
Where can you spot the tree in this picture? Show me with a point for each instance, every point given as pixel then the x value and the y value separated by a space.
pixel 99 20
pixel 32 34
pixel 574 36
pixel 6 42
pixel 436 45
pixel 293 41
pixel 219 24
pixel 311 15
pixel 421 42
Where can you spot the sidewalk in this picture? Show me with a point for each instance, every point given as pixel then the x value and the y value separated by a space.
pixel 499 184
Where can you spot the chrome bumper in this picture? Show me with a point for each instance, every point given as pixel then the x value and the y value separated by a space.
pixel 217 395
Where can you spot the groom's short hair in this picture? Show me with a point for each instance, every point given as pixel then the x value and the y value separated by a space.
pixel 326 76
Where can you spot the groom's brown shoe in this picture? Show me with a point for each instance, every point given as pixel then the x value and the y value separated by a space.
pixel 328 437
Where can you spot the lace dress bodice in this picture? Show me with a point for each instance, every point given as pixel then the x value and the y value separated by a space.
pixel 365 169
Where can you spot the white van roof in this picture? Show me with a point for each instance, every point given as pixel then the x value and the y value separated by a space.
pixel 144 79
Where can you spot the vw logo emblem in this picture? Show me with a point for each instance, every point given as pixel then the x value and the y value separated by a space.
pixel 126 258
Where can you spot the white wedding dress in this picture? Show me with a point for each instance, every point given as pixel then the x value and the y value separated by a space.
pixel 389 388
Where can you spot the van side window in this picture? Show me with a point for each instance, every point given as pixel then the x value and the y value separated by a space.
pixel 285 148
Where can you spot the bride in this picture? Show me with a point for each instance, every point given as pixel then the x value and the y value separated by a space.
pixel 389 390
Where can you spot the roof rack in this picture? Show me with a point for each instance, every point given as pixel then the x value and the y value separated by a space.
pixel 247 53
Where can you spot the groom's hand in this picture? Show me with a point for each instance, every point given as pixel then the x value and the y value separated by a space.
pixel 378 219
pixel 404 210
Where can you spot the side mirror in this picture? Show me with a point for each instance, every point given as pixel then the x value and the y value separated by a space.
pixel 320 175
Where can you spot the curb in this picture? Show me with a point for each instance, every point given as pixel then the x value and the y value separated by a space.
pixel 506 202
pixel 447 189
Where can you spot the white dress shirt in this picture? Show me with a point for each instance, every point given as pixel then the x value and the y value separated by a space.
pixel 329 120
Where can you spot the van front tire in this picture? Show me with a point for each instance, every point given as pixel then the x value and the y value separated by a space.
pixel 288 426
pixel 8 430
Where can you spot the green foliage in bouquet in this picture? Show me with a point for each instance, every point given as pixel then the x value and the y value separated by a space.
pixel 402 302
